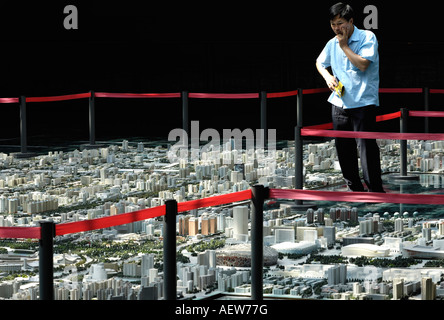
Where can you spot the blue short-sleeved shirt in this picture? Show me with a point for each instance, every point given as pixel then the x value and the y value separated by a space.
pixel 361 88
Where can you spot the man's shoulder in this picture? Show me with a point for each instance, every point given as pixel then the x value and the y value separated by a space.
pixel 331 42
pixel 367 34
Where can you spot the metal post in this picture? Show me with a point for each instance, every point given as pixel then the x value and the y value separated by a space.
pixel 263 98
pixel 426 108
pixel 298 155
pixel 46 264
pixel 403 143
pixel 169 250
pixel 298 163
pixel 23 134
pixel 185 121
pixel 24 153
pixel 259 194
pixel 92 119
pixel 92 124
pixel 403 175
pixel 299 167
pixel 299 108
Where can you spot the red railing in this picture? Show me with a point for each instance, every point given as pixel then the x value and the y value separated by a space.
pixel 202 95
pixel 316 195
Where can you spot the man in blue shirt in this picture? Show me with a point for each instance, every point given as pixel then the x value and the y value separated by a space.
pixel 353 58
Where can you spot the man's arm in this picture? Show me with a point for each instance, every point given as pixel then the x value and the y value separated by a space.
pixel 358 61
pixel 328 77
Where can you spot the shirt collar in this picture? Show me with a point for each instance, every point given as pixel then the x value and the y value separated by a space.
pixel 354 36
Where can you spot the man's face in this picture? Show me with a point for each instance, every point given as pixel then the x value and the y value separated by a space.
pixel 341 25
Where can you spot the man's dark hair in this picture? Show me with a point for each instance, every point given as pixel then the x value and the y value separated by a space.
pixel 341 9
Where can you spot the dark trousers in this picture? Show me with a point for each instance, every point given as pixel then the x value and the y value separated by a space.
pixel 358 119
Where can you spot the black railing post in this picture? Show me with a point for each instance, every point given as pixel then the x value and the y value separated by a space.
pixel 92 119
pixel 403 175
pixel 263 99
pixel 298 154
pixel 23 133
pixel 426 108
pixel 259 194
pixel 403 143
pixel 298 151
pixel 169 250
pixel 299 110
pixel 24 153
pixel 298 158
pixel 185 119
pixel 46 264
pixel 92 123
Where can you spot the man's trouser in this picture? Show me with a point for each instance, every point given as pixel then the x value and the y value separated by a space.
pixel 358 119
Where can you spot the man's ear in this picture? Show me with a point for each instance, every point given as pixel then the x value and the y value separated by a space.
pixel 351 20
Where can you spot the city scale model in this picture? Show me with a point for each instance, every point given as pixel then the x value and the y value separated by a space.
pixel 313 254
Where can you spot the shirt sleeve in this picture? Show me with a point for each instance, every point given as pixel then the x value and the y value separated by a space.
pixel 369 47
pixel 324 57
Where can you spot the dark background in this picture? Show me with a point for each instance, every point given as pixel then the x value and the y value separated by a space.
pixel 212 46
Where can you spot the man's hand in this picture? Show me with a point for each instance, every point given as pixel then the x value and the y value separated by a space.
pixel 343 38
pixel 331 82
pixel 328 77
